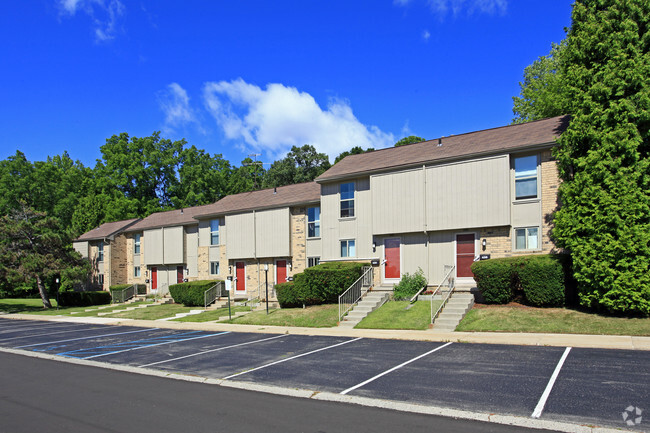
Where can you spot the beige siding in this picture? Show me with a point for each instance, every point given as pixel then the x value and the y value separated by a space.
pixel 329 220
pixel 398 202
pixel 153 254
pixel 204 233
pixel 414 253
pixel 173 245
pixel 240 236
pixel 468 194
pixel 441 252
pixel 81 248
pixel 314 248
pixel 272 238
pixel 526 214
pixel 192 249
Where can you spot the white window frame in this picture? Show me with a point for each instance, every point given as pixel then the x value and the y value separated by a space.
pixel 347 200
pixel 526 177
pixel 527 237
pixel 315 222
pixel 214 233
pixel 313 261
pixel 136 271
pixel 100 251
pixel 212 264
pixel 136 243
pixel 347 248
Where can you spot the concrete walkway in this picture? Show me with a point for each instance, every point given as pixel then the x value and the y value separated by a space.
pixel 528 339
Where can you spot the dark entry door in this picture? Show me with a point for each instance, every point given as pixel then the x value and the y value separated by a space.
pixel 465 254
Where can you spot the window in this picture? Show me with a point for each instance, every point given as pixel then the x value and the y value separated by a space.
pixel 100 252
pixel 312 261
pixel 214 268
pixel 100 279
pixel 347 199
pixel 313 222
pixel 214 232
pixel 527 238
pixel 526 177
pixel 136 271
pixel 136 244
pixel 347 248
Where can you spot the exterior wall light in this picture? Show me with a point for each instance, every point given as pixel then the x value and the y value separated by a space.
pixel 484 243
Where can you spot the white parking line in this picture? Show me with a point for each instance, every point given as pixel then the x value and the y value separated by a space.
pixel 49 333
pixel 542 401
pixel 393 369
pixel 293 357
pixel 212 350
pixel 86 338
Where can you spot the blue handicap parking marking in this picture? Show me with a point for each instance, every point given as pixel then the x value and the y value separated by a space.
pixel 109 349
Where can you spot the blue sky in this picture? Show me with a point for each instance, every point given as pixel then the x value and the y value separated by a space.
pixel 242 77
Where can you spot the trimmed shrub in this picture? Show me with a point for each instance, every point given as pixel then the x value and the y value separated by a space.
pixel 409 285
pixel 191 294
pixel 496 279
pixel 542 280
pixel 84 299
pixel 324 283
pixel 287 294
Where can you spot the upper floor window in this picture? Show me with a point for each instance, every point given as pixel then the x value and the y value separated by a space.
pixel 100 252
pixel 136 244
pixel 527 238
pixel 313 222
pixel 347 248
pixel 526 177
pixel 214 232
pixel 347 199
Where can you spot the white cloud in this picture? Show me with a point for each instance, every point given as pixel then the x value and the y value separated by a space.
pixel 426 35
pixel 278 117
pixel 105 15
pixel 456 7
pixel 175 103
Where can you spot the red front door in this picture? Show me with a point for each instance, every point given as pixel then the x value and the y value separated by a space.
pixel 280 271
pixel 241 277
pixel 392 255
pixel 154 278
pixel 464 255
pixel 179 274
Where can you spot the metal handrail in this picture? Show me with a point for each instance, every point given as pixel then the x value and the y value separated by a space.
pixel 124 294
pixel 356 291
pixel 212 294
pixel 451 286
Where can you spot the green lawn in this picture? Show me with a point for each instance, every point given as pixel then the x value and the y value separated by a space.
pixel 316 316
pixel 153 313
pixel 394 315
pixel 23 305
pixel 211 315
pixel 549 320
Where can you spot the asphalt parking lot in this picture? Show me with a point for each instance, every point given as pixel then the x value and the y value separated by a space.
pixel 581 386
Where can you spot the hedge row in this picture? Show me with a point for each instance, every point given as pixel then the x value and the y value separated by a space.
pixel 83 299
pixel 540 278
pixel 321 284
pixel 191 294
pixel 141 288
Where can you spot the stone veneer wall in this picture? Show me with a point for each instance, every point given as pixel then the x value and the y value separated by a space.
pixel 118 261
pixel 130 260
pixel 549 186
pixel 298 232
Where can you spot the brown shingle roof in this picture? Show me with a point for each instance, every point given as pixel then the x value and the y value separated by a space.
pixel 289 195
pixel 106 230
pixel 178 217
pixel 488 141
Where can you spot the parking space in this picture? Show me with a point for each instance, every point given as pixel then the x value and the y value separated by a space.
pixel 584 386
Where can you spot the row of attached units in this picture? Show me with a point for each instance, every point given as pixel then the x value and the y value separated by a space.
pixel 429 206
pixel 254 238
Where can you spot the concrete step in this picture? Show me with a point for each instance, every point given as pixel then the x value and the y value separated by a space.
pixel 348 323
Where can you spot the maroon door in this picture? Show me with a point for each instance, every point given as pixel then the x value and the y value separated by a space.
pixel 392 256
pixel 280 271
pixel 179 274
pixel 154 278
pixel 241 277
pixel 464 255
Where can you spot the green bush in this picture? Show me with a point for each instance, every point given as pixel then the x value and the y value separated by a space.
pixel 191 294
pixel 542 280
pixel 496 279
pixel 409 285
pixel 287 294
pixel 324 283
pixel 83 299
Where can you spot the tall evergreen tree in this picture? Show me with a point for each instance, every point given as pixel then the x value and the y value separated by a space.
pixel 604 156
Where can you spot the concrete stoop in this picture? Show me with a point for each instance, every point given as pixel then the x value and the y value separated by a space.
pixel 369 303
pixel 453 312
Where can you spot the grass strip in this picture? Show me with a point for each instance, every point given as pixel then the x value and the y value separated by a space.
pixel 394 315
pixel 316 316
pixel 211 315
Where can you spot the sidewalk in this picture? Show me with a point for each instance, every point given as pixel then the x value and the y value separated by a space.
pixel 526 339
